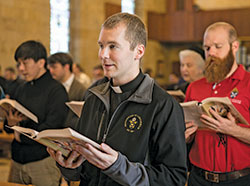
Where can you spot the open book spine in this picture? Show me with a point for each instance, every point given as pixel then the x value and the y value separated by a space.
pixel 55 146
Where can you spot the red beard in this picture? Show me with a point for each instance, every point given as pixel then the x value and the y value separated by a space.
pixel 216 69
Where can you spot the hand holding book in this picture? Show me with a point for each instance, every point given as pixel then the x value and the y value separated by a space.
pixel 10 105
pixel 221 105
pixel 13 116
pixel 191 128
pixel 72 161
pixel 64 140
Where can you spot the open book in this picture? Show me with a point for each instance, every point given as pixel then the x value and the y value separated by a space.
pixel 76 107
pixel 177 94
pixel 57 139
pixel 222 105
pixel 6 104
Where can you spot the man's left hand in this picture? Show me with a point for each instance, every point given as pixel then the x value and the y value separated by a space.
pixel 218 123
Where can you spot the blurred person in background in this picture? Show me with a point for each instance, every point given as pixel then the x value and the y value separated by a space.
pixel 2 80
pixel 80 75
pixel 174 81
pixel 60 67
pixel 97 73
pixel 12 81
pixel 192 65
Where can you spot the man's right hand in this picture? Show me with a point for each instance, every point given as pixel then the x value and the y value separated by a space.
pixel 73 161
pixel 13 117
pixel 191 128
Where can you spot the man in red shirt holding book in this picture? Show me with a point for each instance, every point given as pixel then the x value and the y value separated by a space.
pixel 220 154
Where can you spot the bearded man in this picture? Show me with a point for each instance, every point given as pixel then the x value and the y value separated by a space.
pixel 220 154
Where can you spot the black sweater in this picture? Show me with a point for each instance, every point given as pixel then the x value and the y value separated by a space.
pixel 45 97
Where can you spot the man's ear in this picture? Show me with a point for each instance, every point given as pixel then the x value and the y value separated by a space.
pixel 41 63
pixel 66 66
pixel 140 49
pixel 235 46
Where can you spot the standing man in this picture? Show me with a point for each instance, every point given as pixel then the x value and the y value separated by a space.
pixel 60 67
pixel 221 154
pixel 46 98
pixel 140 127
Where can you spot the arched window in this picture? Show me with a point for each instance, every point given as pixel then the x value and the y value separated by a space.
pixel 59 26
pixel 128 6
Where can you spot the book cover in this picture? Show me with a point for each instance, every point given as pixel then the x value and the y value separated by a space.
pixel 57 139
pixel 76 107
pixel 177 94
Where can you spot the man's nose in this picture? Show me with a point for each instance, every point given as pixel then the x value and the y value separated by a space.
pixel 211 52
pixel 20 66
pixel 104 53
pixel 184 68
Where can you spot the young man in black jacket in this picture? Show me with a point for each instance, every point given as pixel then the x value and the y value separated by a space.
pixel 140 127
pixel 45 97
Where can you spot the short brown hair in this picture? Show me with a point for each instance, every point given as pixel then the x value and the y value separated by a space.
pixel 232 33
pixel 135 33
pixel 62 58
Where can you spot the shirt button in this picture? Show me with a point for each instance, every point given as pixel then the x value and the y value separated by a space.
pixel 216 92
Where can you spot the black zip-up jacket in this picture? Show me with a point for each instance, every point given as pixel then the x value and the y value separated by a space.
pixel 148 131
pixel 44 97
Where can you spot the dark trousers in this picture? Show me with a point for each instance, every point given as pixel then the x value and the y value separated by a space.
pixel 196 180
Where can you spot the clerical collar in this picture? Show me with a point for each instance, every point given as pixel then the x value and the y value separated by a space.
pixel 129 86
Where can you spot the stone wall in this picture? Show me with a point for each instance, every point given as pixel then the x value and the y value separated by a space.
pixel 154 51
pixel 87 17
pixel 21 21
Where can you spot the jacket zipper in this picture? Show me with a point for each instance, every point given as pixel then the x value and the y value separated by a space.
pixel 106 132
pixel 100 125
pixel 109 124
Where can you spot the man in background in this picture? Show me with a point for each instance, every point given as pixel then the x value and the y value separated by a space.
pixel 81 76
pixel 60 66
pixel 97 73
pixel 220 154
pixel 174 81
pixel 44 97
pixel 2 81
pixel 12 81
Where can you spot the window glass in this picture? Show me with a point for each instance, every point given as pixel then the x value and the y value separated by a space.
pixel 59 26
pixel 128 6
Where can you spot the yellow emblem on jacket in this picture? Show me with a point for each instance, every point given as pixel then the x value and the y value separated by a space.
pixel 133 122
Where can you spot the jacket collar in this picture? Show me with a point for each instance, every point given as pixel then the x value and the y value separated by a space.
pixel 142 95
pixel 43 79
